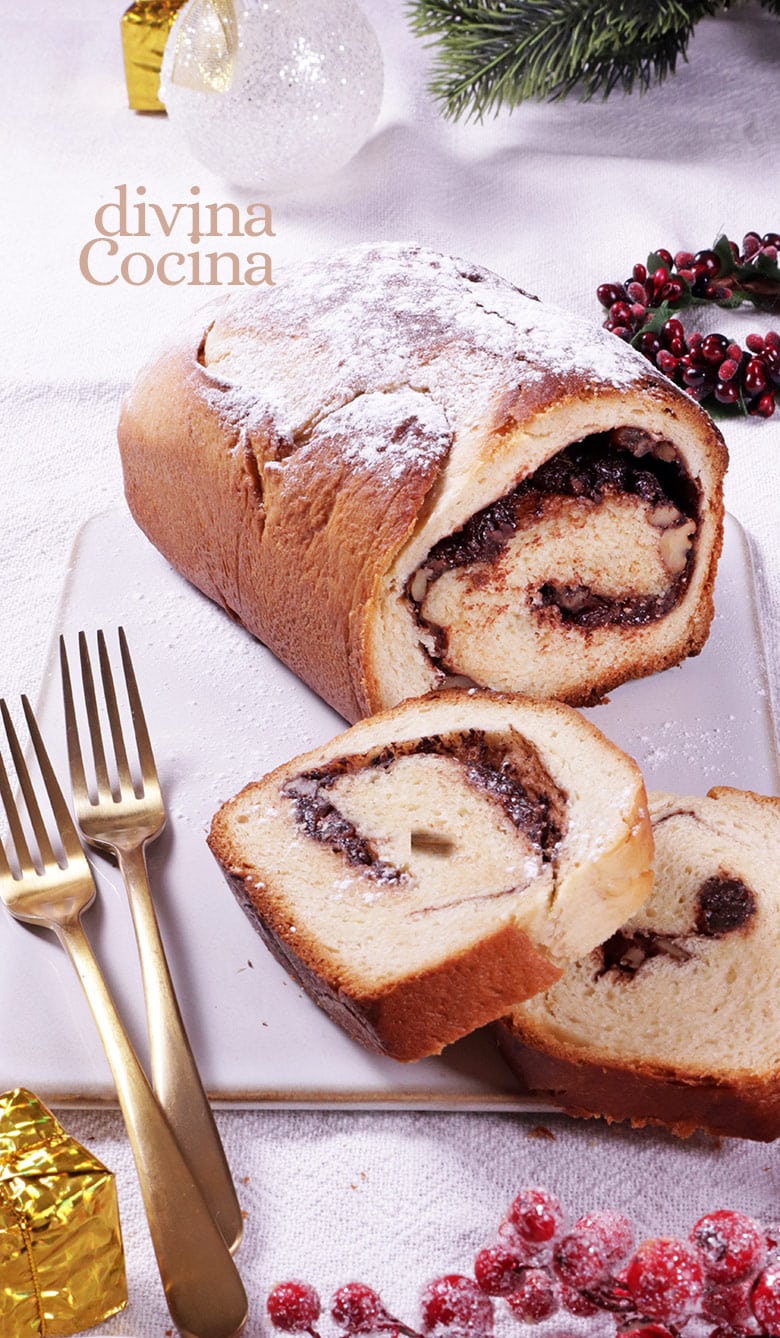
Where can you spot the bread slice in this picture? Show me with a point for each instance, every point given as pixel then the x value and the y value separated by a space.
pixel 431 866
pixel 675 1019
pixel 397 469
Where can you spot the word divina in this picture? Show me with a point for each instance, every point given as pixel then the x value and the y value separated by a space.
pixel 109 257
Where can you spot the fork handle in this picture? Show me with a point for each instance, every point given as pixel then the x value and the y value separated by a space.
pixel 205 1295
pixel 174 1072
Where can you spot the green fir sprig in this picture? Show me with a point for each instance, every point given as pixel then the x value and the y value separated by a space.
pixel 495 54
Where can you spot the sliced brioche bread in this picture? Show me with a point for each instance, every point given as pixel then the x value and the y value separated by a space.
pixel 425 870
pixel 674 1019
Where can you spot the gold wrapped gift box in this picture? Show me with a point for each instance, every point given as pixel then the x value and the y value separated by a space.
pixel 62 1264
pixel 145 28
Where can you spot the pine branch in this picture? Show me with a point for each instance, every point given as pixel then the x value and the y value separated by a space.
pixel 498 53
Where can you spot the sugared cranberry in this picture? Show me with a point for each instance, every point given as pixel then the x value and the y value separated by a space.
pixel 582 1258
pixel 613 1294
pixel 772 1241
pixel 536 1298
pixel 498 1270
pixel 293 1307
pixel 615 1230
pixel 456 1304
pixel 647 1331
pixel 357 1308
pixel 536 1215
pixel 730 1246
pixel 765 1300
pixel 728 369
pixel 577 1302
pixel 728 1305
pixel 664 1277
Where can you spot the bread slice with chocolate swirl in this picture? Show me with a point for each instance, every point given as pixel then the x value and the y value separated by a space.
pixel 398 470
pixel 674 1019
pixel 433 865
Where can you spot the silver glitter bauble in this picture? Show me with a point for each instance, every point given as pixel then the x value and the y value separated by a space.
pixel 289 100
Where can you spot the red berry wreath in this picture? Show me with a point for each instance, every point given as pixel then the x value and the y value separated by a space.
pixel 644 311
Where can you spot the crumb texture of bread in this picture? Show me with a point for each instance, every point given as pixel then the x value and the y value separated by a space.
pixel 398 470
pixel 434 864
pixel 674 1019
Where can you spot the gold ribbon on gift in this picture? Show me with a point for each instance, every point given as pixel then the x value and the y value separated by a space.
pixel 206 45
pixel 62 1264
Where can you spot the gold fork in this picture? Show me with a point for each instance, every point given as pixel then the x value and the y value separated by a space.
pixel 120 822
pixel 204 1292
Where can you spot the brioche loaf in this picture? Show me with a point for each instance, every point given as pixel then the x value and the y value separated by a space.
pixel 398 471
pixel 426 869
pixel 674 1019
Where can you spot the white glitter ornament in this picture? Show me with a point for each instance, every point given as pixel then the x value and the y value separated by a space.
pixel 272 93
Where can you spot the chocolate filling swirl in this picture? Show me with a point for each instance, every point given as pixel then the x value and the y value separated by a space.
pixel 723 905
pixel 622 461
pixel 508 771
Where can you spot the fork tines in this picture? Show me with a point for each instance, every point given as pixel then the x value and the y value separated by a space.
pixel 19 845
pixel 125 782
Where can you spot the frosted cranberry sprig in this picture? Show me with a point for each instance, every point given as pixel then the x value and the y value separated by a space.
pixel 644 310
pixel 726 1274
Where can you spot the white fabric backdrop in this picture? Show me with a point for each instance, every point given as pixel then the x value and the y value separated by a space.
pixel 558 198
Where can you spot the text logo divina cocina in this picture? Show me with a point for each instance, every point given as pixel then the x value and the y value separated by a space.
pixel 108 258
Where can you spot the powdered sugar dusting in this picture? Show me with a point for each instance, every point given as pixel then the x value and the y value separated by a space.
pixel 382 316
pixel 389 432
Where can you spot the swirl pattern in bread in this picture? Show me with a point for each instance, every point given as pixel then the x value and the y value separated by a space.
pixel 433 865
pixel 398 470
pixel 674 1019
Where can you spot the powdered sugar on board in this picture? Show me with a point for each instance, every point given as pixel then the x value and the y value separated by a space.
pixel 379 316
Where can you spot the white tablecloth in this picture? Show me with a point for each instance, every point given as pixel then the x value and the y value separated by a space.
pixel 556 197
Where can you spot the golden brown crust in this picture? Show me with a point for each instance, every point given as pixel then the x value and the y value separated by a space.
pixel 402 1008
pixel 418 1015
pixel 644 1096
pixel 717 1072
pixel 192 483
pixel 291 527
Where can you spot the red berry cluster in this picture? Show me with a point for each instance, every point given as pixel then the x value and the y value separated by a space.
pixel 726 1274
pixel 642 310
